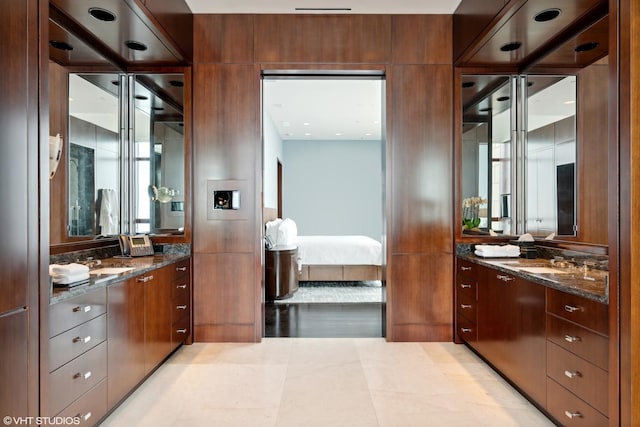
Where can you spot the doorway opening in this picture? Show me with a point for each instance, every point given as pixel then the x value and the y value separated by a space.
pixel 323 203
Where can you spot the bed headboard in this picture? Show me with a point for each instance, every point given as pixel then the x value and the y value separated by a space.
pixel 269 214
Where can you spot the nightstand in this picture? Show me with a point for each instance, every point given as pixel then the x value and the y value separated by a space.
pixel 281 272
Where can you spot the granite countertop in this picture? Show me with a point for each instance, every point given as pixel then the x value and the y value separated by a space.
pixel 592 284
pixel 139 265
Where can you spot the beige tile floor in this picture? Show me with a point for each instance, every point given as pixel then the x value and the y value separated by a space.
pixel 306 382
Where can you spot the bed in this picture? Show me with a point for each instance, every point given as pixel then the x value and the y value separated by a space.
pixel 339 258
pixel 328 258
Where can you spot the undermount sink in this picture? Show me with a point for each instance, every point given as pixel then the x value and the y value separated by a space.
pixel 111 270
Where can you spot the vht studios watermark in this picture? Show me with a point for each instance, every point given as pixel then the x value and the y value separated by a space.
pixel 40 421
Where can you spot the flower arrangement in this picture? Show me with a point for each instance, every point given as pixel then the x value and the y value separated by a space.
pixel 470 212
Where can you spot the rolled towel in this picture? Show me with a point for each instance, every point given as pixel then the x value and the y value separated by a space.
pixel 497 250
pixel 67 269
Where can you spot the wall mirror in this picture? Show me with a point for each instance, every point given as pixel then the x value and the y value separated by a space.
pixel 518 154
pixel 533 154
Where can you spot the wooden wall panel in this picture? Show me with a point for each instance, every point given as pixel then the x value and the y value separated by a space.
pixel 322 38
pixel 414 40
pixel 176 19
pixel 223 38
pixel 421 295
pixel 224 292
pixel 420 124
pixel 593 128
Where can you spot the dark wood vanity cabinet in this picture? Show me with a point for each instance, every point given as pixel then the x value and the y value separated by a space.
pixel 577 360
pixel 78 357
pixel 157 317
pixel 466 294
pixel 511 328
pixel 180 303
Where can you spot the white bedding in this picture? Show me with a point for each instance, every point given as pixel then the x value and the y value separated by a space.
pixel 339 250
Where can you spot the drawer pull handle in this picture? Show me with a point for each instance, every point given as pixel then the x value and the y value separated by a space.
pixel 572 338
pixel 570 309
pixel 181 331
pixel 505 278
pixel 181 268
pixel 145 279
pixel 463 268
pixel 82 340
pixel 465 330
pixel 465 286
pixel 84 376
pixel 181 286
pixel 573 415
pixel 85 309
pixel 181 307
pixel 570 374
pixel 466 306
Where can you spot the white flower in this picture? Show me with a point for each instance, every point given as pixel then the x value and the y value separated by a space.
pixel 473 202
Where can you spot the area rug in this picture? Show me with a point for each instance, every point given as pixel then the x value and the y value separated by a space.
pixel 336 292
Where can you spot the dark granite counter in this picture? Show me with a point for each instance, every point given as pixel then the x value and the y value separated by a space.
pixel 138 265
pixel 592 284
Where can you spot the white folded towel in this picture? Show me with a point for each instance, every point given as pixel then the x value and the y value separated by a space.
pixel 67 269
pixel 65 279
pixel 497 250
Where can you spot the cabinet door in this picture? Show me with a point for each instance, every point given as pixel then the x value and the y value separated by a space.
pixel 13 364
pixel 125 359
pixel 493 316
pixel 157 316
pixel 527 338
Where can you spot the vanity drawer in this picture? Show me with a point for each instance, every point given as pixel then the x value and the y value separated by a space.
pixel 578 340
pixel 90 408
pixel 466 329
pixel 465 270
pixel 588 313
pixel 72 312
pixel 180 331
pixel 569 410
pixel 467 306
pixel 466 288
pixel 72 380
pixel 583 379
pixel 179 307
pixel 182 268
pixel 180 288
pixel 71 344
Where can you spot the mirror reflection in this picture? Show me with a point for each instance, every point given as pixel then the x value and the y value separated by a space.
pixel 518 165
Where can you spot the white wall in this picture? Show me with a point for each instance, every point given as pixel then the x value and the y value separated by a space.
pixel 272 152
pixel 333 187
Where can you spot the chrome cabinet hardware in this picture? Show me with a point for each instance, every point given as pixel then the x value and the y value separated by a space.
pixel 181 268
pixel 84 376
pixel 181 307
pixel 570 308
pixel 181 331
pixel 505 278
pixel 465 330
pixel 573 415
pixel 465 286
pixel 575 374
pixel 466 306
pixel 85 309
pixel 572 338
pixel 463 268
pixel 181 286
pixel 82 340
pixel 145 279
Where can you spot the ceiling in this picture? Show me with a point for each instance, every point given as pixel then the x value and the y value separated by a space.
pixel 324 109
pixel 320 6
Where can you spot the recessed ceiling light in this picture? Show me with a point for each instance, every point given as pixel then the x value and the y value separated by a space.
pixel 102 14
pixel 466 85
pixel 57 44
pixel 585 47
pixel 176 83
pixel 134 45
pixel 307 134
pixel 484 110
pixel 115 82
pixel 158 108
pixel 338 134
pixel 368 134
pixel 569 102
pixel 511 46
pixel 376 122
pixel 547 15
pixel 70 99
pixel 142 97
pixel 305 124
pixel 502 98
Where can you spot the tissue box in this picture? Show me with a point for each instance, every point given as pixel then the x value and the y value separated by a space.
pixel 523 244
pixel 528 252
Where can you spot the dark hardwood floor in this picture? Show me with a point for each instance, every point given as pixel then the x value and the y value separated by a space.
pixel 324 320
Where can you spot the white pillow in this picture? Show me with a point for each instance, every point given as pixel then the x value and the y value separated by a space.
pixel 271 229
pixel 287 233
